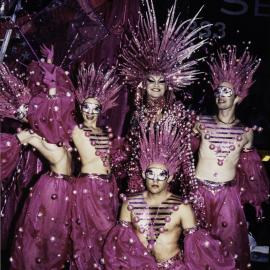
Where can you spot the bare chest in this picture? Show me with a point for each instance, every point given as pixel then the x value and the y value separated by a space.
pixel 93 146
pixel 154 221
pixel 220 141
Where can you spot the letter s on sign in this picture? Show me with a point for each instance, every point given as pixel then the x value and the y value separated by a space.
pixel 242 7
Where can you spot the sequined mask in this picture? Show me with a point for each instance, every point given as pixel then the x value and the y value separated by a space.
pixel 156 174
pixel 223 91
pixel 91 108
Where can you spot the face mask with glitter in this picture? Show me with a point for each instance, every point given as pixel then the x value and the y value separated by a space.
pixel 223 91
pixel 156 174
pixel 91 108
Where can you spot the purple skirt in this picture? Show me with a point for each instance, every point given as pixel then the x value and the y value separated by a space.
pixel 94 214
pixel 42 237
pixel 225 218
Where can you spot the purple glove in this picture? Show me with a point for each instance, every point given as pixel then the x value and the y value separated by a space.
pixel 49 77
pixel 47 53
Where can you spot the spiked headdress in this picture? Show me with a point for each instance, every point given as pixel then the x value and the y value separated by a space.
pixel 96 83
pixel 164 144
pixel 237 71
pixel 146 51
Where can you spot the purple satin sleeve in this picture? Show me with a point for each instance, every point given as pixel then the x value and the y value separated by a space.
pixel 10 151
pixel 251 178
pixel 201 251
pixel 52 117
pixel 36 79
pixel 123 250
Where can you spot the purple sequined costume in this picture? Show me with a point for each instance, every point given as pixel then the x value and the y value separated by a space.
pixel 96 195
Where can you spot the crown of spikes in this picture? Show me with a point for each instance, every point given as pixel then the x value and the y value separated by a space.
pixel 164 144
pixel 96 83
pixel 227 67
pixel 148 51
pixel 13 93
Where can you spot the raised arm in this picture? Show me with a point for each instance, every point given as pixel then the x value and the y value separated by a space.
pixel 51 110
pixel 48 150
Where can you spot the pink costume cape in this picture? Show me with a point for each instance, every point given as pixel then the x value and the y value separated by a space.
pixel 10 152
pixel 251 178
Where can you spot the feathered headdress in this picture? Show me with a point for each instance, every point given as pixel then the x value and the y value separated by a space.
pixel 146 51
pixel 96 83
pixel 164 144
pixel 237 71
pixel 13 93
